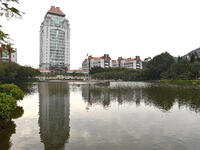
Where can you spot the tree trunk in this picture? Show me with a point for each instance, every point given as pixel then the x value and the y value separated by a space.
pixel 0 55
pixel 9 56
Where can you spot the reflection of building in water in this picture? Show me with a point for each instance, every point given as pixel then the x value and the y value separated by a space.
pixel 104 96
pixel 54 115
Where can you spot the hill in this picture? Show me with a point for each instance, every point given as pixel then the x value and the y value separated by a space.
pixel 197 51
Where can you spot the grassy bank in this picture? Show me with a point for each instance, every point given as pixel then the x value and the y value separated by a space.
pixel 181 81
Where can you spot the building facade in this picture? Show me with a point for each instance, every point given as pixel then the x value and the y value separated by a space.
pixel 131 63
pixel 7 56
pixel 103 62
pixel 106 62
pixel 55 41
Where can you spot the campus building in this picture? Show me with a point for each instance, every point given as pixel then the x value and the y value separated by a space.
pixel 131 63
pixel 106 62
pixel 55 41
pixel 7 56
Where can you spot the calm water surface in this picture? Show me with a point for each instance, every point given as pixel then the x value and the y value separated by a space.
pixel 122 116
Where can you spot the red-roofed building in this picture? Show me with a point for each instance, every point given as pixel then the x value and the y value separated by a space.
pixel 132 63
pixel 56 11
pixel 104 62
pixel 44 70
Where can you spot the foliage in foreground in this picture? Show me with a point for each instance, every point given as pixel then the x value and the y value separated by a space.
pixel 7 106
pixel 9 93
pixel 12 89
pixel 7 10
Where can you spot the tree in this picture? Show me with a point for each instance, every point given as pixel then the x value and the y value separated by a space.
pixel 179 58
pixel 159 64
pixel 96 70
pixel 195 68
pixel 8 11
pixel 10 50
pixel 192 58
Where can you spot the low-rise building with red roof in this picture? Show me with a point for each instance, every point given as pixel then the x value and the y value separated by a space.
pixel 78 71
pixel 104 62
pixel 131 63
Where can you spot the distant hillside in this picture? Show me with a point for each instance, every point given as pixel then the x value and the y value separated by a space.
pixel 192 52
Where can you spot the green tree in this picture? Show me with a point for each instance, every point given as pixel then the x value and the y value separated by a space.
pixel 96 70
pixel 159 64
pixel 181 66
pixel 195 69
pixel 192 57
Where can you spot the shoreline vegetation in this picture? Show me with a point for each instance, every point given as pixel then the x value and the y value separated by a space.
pixel 9 95
pixel 162 67
pixel 12 75
pixel 181 81
pixel 11 72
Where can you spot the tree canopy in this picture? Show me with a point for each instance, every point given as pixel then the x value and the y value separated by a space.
pixel 12 72
pixel 159 64
pixel 7 10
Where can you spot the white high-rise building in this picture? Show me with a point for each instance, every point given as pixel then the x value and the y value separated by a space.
pixel 55 41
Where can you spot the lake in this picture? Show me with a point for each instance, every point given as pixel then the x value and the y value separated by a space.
pixel 121 116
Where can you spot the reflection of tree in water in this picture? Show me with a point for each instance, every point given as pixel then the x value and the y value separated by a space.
pixel 104 95
pixel 162 97
pixel 190 98
pixel 28 88
pixel 165 97
pixel 18 112
pixel 54 115
pixel 7 128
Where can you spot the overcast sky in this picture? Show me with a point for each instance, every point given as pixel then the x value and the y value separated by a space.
pixel 117 27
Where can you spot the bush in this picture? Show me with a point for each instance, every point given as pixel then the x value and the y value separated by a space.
pixel 16 92
pixel 18 112
pixel 7 106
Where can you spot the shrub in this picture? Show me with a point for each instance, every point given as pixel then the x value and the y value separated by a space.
pixel 18 112
pixel 7 105
pixel 12 89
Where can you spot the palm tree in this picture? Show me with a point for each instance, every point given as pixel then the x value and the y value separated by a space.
pixel 2 48
pixel 10 50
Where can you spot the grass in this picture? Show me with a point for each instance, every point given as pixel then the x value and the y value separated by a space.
pixel 180 81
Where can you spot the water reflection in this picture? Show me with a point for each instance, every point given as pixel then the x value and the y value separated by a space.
pixel 54 110
pixel 128 121
pixel 6 131
pixel 161 97
pixel 28 88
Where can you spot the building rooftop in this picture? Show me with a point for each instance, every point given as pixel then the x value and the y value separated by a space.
pixel 128 59
pixel 77 71
pixel 56 10
pixel 96 58
pixel 114 61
